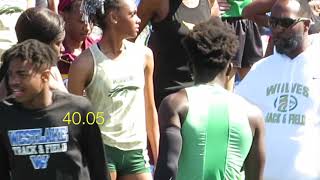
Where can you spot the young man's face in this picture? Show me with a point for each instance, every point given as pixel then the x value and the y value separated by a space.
pixel 24 82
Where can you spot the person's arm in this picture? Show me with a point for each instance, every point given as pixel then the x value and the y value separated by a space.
pixel 214 8
pixel 53 5
pixel 256 11
pixel 255 161
pixel 147 11
pixel 80 73
pixel 151 112
pixel 172 112
pixel 92 145
pixel 4 160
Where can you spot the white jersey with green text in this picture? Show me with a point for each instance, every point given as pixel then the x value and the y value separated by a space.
pixel 288 92
pixel 117 90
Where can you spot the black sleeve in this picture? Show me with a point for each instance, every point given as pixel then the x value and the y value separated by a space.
pixel 4 160
pixel 93 149
pixel 170 149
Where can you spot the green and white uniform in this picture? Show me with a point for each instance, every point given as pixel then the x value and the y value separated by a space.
pixel 117 89
pixel 216 135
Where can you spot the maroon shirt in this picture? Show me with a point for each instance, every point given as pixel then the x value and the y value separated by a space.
pixel 68 57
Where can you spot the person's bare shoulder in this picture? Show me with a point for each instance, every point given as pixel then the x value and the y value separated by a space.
pixel 147 52
pixel 84 58
pixel 81 72
pixel 256 118
pixel 84 62
pixel 174 109
pixel 253 112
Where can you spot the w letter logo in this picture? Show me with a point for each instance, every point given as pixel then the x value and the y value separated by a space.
pixel 39 161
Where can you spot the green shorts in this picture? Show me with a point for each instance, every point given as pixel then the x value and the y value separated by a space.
pixel 127 162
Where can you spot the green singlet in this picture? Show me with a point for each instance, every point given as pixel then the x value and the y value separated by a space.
pixel 216 135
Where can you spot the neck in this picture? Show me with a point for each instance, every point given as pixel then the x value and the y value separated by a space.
pixel 218 80
pixel 41 100
pixel 73 45
pixel 111 44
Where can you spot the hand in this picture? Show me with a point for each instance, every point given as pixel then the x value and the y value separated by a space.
pixel 223 6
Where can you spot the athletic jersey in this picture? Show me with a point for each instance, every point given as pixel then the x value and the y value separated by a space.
pixel 216 135
pixel 41 144
pixel 171 70
pixel 236 8
pixel 287 91
pixel 117 89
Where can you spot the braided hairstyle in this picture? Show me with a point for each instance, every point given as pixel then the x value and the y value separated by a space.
pixel 97 10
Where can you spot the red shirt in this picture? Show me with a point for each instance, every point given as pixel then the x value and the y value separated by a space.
pixel 68 57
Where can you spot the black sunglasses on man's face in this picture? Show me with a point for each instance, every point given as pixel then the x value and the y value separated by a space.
pixel 284 22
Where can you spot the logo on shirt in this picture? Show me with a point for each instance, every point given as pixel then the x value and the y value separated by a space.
pixel 121 90
pixel 39 143
pixel 285 103
pixel 286 98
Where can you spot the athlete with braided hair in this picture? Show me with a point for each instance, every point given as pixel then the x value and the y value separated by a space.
pixel 117 76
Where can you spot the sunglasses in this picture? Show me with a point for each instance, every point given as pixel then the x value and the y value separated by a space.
pixel 284 22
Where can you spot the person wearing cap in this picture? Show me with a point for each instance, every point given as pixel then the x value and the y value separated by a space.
pixel 77 34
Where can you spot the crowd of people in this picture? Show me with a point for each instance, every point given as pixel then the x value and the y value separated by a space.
pixel 77 108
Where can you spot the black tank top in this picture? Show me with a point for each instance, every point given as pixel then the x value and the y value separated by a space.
pixel 171 71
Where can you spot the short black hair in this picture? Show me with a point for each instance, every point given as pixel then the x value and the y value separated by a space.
pixel 211 45
pixel 39 54
pixel 41 24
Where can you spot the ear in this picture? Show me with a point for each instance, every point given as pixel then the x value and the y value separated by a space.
pixel 113 17
pixel 229 69
pixel 45 75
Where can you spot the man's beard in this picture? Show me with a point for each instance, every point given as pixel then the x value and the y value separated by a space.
pixel 288 45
